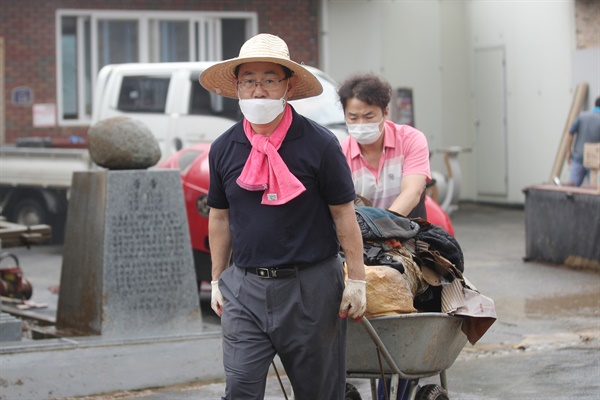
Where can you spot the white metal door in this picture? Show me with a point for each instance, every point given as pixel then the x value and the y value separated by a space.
pixel 490 122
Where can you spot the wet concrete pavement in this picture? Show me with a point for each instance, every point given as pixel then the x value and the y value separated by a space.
pixel 545 343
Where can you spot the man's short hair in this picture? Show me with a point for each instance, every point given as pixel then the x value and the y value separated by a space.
pixel 368 88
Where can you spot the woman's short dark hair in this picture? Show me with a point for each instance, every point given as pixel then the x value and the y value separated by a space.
pixel 369 88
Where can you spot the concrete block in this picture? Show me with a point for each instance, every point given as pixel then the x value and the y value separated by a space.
pixel 11 328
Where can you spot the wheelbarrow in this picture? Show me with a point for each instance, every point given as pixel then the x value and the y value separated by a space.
pixel 407 346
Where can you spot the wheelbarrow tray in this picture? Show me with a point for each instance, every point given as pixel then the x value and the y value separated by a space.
pixel 420 345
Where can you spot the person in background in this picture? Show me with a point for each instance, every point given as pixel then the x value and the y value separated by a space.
pixel 585 129
pixel 281 203
pixel 389 162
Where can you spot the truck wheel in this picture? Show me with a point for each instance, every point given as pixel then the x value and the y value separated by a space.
pixel 432 392
pixel 29 212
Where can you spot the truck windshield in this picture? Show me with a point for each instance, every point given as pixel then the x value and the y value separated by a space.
pixel 144 94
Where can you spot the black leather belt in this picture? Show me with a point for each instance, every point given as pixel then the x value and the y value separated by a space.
pixel 279 272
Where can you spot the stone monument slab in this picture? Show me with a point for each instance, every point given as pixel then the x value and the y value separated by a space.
pixel 127 265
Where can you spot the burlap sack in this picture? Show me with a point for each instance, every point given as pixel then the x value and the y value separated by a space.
pixel 388 292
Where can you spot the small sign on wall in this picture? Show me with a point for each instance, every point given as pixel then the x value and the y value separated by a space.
pixel 44 115
pixel 21 96
pixel 403 112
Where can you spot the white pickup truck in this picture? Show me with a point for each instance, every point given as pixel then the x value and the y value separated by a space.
pixel 34 184
pixel 167 97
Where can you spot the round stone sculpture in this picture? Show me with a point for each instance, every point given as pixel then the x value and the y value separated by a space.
pixel 122 143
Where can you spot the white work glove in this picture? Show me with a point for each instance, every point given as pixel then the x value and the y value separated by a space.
pixel 216 298
pixel 354 300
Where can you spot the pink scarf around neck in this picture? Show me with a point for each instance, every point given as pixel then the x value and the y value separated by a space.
pixel 265 169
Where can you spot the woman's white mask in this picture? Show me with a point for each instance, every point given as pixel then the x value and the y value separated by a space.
pixel 365 133
pixel 262 111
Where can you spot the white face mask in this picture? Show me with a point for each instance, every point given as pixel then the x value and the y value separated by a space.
pixel 365 133
pixel 262 111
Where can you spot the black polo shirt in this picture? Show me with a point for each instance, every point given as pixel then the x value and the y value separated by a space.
pixel 299 231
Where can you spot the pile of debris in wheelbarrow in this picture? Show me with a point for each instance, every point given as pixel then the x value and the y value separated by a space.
pixel 421 309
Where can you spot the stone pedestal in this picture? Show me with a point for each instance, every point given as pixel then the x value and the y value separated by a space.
pixel 127 265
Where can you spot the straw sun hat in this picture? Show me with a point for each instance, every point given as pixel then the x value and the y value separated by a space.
pixel 220 78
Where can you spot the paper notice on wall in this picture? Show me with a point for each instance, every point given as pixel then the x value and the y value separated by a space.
pixel 44 115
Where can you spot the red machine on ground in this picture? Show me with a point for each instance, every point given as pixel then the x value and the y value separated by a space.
pixel 193 164
pixel 12 283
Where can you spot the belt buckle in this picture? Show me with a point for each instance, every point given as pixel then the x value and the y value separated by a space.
pixel 266 272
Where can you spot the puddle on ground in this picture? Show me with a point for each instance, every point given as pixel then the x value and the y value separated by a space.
pixel 579 304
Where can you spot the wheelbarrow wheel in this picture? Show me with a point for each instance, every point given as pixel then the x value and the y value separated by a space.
pixel 352 392
pixel 432 392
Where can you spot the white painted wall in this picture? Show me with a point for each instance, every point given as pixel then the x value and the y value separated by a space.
pixel 538 38
pixel 430 46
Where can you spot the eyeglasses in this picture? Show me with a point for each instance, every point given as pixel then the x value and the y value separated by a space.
pixel 248 85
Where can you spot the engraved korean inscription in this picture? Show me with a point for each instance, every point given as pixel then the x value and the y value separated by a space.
pixel 146 247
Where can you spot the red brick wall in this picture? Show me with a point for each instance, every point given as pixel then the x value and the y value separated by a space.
pixel 28 28
pixel 587 23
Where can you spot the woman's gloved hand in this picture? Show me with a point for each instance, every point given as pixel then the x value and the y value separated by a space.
pixel 216 298
pixel 354 300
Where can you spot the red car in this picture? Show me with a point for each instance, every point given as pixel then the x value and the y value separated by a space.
pixel 193 163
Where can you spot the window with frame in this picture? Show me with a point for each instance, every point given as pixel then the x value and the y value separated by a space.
pixel 87 40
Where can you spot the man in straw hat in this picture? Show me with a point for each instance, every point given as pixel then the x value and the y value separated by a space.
pixel 282 202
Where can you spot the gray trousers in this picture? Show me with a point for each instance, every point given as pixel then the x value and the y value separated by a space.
pixel 295 317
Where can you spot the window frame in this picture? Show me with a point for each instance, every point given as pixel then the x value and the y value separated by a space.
pixel 205 44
